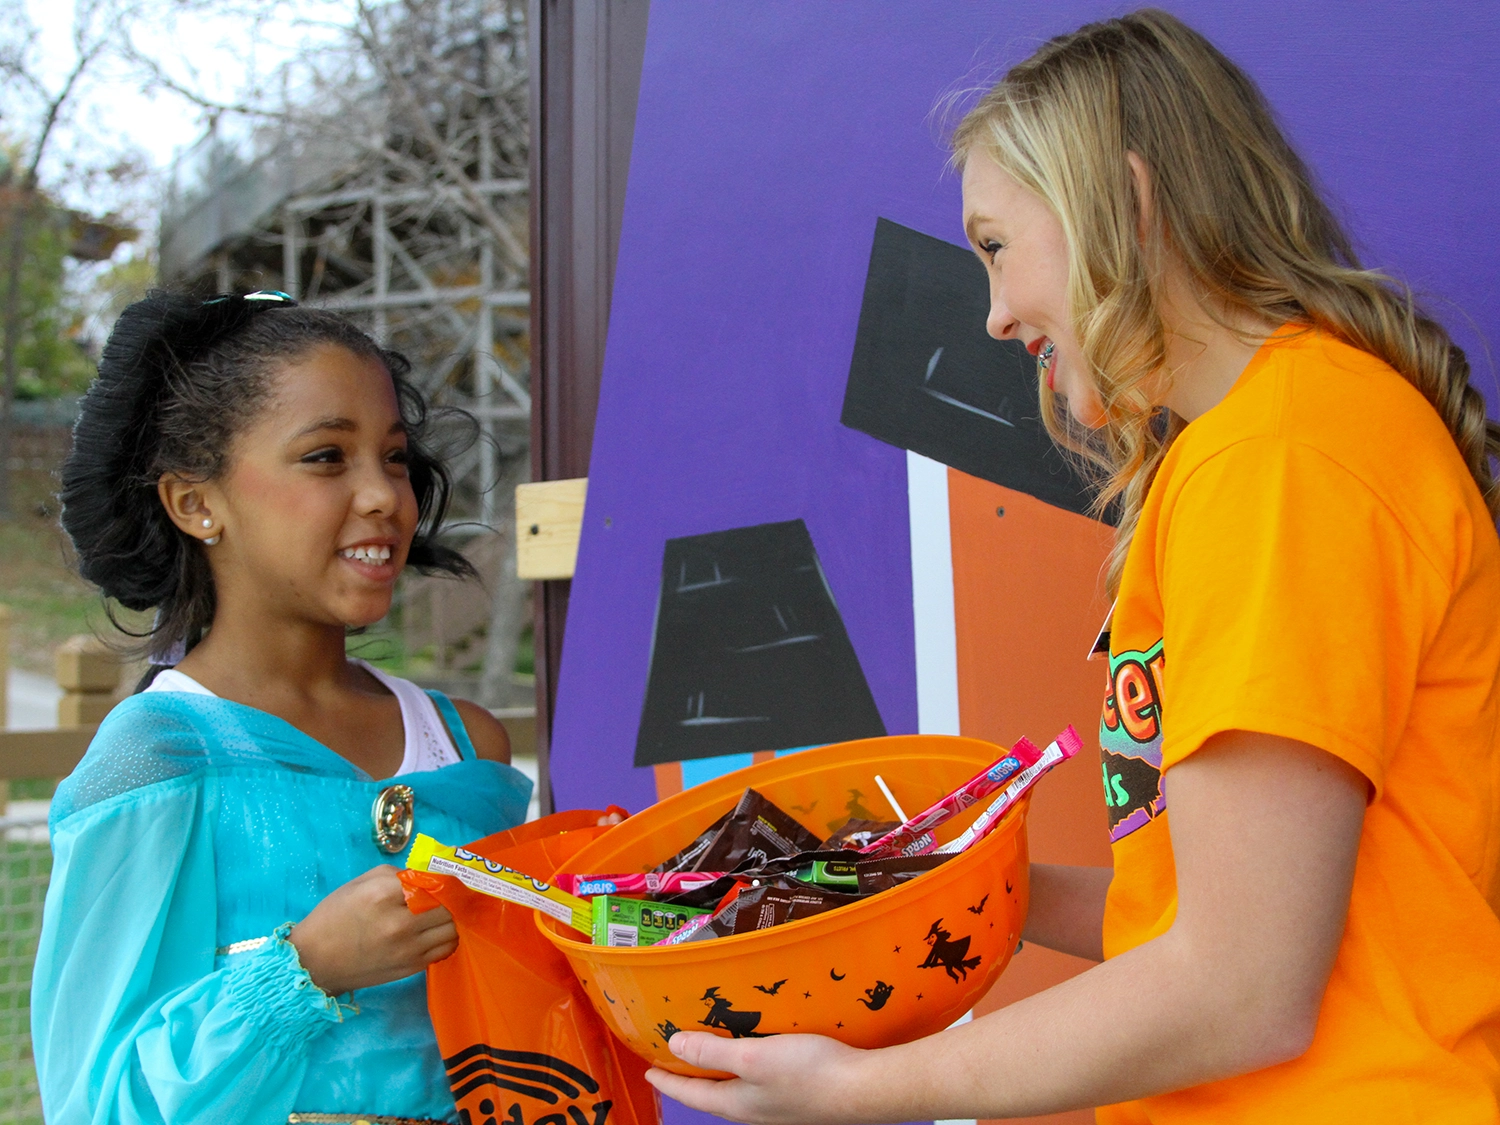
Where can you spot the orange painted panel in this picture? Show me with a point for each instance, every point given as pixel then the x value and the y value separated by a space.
pixel 668 779
pixel 1029 599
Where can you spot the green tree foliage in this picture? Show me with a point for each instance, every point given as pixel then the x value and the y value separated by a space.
pixel 51 360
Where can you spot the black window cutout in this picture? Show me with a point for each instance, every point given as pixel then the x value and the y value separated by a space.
pixel 927 377
pixel 749 651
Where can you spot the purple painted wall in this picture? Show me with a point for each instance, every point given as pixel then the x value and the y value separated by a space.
pixel 770 136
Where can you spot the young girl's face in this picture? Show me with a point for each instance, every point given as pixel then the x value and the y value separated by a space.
pixel 1025 252
pixel 317 510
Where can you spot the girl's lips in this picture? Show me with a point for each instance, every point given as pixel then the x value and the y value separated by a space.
pixel 381 573
pixel 1036 346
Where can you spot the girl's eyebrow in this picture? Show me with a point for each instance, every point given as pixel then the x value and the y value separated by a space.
pixel 344 424
pixel 973 221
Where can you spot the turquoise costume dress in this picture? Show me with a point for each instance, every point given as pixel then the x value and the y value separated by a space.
pixel 192 824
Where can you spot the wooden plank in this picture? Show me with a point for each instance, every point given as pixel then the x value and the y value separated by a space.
pixel 42 753
pixel 549 520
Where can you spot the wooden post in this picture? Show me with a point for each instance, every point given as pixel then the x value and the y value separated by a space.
pixel 4 666
pixel 88 673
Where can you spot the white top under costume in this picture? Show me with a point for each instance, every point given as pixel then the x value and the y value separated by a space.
pixel 429 746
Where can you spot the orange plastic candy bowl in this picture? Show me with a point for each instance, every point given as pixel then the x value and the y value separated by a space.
pixel 891 968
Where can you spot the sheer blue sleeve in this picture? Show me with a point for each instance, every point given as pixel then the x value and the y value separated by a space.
pixel 132 1022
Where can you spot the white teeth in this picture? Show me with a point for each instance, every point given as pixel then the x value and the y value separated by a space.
pixel 367 554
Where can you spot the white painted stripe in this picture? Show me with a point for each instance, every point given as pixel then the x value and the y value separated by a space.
pixel 932 595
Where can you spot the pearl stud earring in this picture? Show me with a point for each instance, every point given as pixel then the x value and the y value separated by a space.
pixel 208 523
pixel 210 541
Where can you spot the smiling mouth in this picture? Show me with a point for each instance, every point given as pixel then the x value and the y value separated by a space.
pixel 373 556
pixel 1036 346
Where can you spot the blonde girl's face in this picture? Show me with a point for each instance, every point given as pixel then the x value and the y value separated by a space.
pixel 317 509
pixel 1025 253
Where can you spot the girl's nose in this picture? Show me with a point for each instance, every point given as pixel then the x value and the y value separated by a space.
pixel 377 494
pixel 1000 323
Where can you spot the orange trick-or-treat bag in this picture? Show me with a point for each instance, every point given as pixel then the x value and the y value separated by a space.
pixel 522 1044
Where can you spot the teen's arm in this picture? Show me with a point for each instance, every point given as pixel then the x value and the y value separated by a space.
pixel 1066 912
pixel 1265 832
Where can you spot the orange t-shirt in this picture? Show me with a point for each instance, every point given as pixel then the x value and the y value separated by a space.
pixel 1314 561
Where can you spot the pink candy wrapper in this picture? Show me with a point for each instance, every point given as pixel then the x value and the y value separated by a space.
pixel 915 836
pixel 1064 747
pixel 649 883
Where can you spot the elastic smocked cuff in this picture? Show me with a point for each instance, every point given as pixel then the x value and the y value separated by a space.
pixel 272 990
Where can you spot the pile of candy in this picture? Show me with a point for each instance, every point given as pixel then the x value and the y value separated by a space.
pixel 756 866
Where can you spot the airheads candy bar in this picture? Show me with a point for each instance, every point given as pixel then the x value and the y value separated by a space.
pixel 650 883
pixel 1064 747
pixel 630 921
pixel 498 881
pixel 915 836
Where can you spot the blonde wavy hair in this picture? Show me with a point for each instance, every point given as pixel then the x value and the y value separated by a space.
pixel 1232 203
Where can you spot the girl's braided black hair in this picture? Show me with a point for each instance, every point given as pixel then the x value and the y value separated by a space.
pixel 178 379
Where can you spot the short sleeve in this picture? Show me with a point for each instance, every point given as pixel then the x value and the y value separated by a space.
pixel 1294 604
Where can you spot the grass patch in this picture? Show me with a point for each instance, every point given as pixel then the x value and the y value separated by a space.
pixel 49 602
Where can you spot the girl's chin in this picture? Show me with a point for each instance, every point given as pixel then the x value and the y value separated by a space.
pixel 363 614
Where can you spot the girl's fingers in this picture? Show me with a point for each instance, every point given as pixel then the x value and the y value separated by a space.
pixel 438 952
pixel 437 937
pixel 427 920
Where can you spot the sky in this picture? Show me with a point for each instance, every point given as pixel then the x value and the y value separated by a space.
pixel 221 55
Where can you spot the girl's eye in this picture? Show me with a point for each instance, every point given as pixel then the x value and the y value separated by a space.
pixel 991 248
pixel 330 455
pixel 399 457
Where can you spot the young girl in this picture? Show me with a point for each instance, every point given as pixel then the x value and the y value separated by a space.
pixel 225 939
pixel 1305 651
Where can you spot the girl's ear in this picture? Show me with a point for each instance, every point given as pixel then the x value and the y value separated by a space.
pixel 1141 175
pixel 189 506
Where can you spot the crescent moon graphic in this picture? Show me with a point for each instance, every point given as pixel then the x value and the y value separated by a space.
pixel 835 975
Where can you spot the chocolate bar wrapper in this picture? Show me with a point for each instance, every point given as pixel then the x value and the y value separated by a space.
pixel 710 894
pixel 858 833
pixel 649 883
pixel 875 875
pixel 1060 750
pixel 688 856
pixel 762 907
pixel 755 832
pixel 630 921
pixel 915 836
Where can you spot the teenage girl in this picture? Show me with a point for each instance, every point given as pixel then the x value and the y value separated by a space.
pixel 225 939
pixel 1300 925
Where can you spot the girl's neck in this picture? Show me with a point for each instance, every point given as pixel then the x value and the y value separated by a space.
pixel 1206 354
pixel 248 658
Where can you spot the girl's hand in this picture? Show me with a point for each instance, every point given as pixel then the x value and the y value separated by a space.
pixel 783 1080
pixel 363 935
